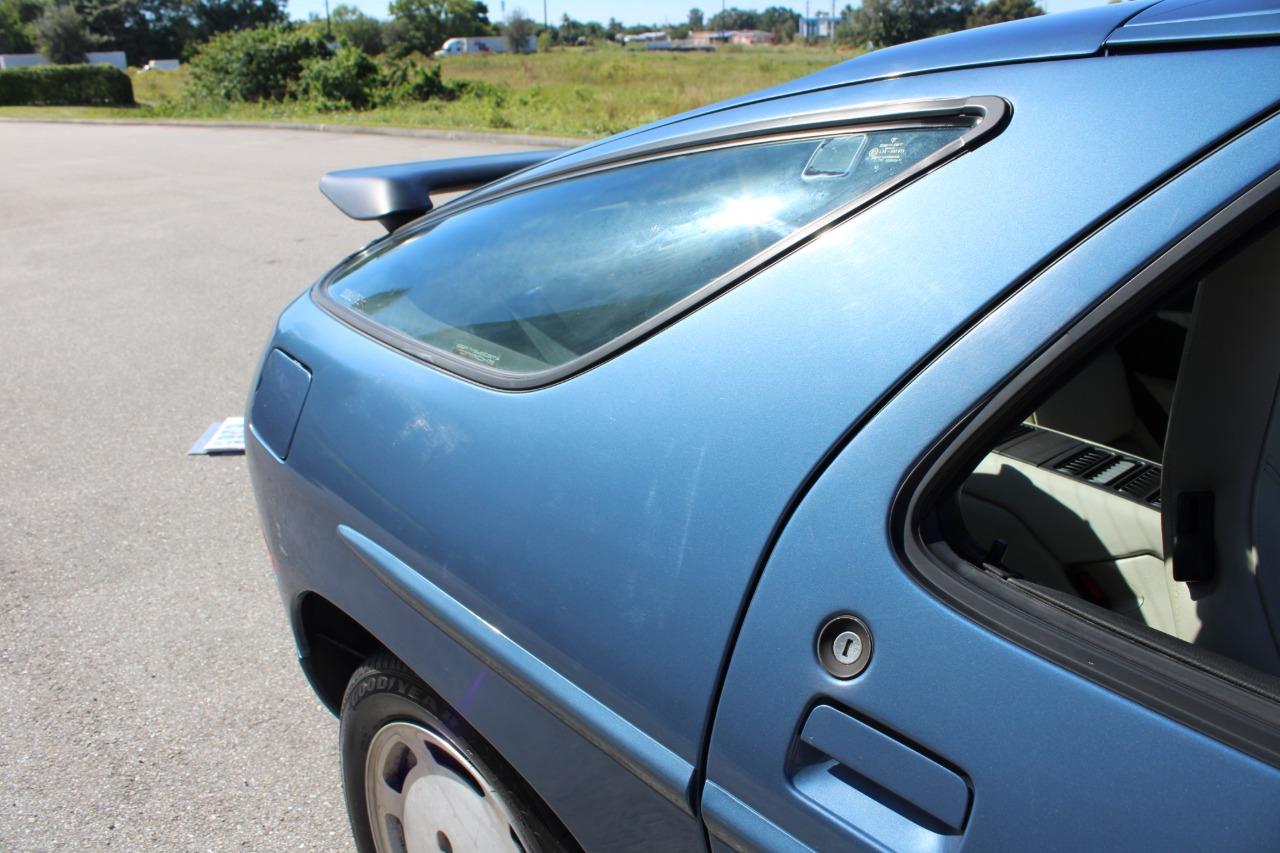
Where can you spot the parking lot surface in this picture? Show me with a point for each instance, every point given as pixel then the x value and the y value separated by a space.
pixel 148 691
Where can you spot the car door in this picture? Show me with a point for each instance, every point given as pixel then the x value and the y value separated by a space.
pixel 870 703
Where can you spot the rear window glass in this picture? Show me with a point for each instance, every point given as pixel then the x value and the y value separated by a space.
pixel 537 279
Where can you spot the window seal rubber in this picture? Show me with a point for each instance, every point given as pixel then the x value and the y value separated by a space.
pixel 985 116
pixel 1205 691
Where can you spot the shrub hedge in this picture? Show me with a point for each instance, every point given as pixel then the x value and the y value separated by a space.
pixel 287 63
pixel 262 64
pixel 66 85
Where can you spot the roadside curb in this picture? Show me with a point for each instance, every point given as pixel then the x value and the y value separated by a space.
pixel 424 133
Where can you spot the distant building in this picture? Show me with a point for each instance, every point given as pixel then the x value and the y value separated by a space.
pixel 820 26
pixel 707 38
pixel 21 60
pixel 94 57
pixel 750 37
pixel 645 38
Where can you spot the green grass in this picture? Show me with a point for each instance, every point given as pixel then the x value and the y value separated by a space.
pixel 570 92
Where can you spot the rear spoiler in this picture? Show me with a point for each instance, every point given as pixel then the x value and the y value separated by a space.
pixel 401 192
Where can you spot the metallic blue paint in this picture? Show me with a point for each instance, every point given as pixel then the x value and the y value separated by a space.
pixel 736 826
pixel 1055 761
pixel 606 807
pixel 569 567
pixel 282 390
pixel 1175 21
pixel 843 742
pixel 647 759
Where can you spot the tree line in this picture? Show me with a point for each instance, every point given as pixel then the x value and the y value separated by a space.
pixel 150 29
pixel 874 23
pixel 143 29
pixel 880 23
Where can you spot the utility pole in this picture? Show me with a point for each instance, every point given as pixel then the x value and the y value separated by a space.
pixel 544 14
pixel 328 24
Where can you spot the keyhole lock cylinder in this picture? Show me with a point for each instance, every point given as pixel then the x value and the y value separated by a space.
pixel 844 646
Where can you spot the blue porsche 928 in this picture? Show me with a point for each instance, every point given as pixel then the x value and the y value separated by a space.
pixel 888 460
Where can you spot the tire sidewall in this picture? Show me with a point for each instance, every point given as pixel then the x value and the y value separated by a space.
pixel 377 697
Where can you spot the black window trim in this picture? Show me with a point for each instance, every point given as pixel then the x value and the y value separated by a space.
pixel 1200 689
pixel 984 115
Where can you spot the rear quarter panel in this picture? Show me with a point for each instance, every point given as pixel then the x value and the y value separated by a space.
pixel 611 525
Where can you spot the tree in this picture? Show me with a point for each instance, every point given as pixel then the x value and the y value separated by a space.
pixel 358 29
pixel 18 25
pixel 151 29
pixel 63 36
pixel 570 30
pixel 782 22
pixel 423 25
pixel 143 29
pixel 880 23
pixel 735 19
pixel 998 11
pixel 466 18
pixel 695 19
pixel 223 16
pixel 261 64
pixel 518 30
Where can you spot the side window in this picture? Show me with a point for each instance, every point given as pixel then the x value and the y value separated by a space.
pixel 538 278
pixel 1145 489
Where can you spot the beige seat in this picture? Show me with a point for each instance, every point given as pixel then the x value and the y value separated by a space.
pixel 1057 528
pixel 1224 439
pixel 1097 406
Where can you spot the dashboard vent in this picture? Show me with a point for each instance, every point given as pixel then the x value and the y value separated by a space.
pixel 1082 462
pixel 1143 485
pixel 1112 471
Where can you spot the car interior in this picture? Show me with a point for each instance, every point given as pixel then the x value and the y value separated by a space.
pixel 1148 483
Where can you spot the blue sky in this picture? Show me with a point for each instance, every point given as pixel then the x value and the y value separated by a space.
pixel 627 11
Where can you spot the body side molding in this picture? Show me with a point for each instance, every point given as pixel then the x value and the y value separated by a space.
pixel 657 766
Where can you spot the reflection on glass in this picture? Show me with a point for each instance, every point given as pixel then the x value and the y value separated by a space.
pixel 538 278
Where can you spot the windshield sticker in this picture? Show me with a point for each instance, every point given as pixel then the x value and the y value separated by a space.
pixel 835 158
pixel 891 151
pixel 486 358
pixel 352 297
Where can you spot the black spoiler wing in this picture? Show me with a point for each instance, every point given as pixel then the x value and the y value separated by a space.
pixel 400 192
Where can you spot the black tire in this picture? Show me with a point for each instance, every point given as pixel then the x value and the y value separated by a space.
pixel 383 690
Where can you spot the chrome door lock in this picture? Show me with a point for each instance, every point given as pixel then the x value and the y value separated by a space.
pixel 844 646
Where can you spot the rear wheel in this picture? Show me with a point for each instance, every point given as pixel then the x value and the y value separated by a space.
pixel 418 779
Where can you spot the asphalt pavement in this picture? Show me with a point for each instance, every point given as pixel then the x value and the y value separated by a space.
pixel 149 696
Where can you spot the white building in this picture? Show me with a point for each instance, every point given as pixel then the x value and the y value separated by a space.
pixel 93 57
pixel 646 38
pixel 820 26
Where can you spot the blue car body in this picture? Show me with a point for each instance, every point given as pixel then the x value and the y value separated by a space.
pixel 616 577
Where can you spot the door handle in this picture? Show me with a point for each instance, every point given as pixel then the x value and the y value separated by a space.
pixel 920 786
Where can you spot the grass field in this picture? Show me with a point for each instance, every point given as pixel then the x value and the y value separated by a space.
pixel 571 92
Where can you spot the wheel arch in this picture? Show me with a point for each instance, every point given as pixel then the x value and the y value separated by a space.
pixel 332 645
